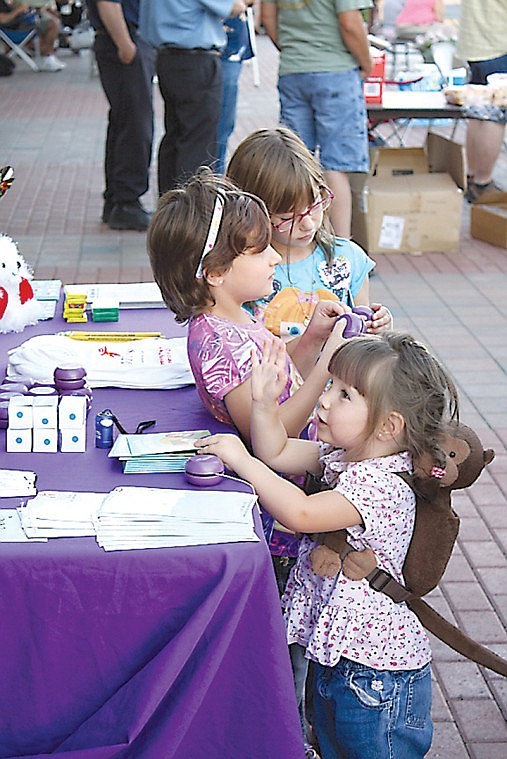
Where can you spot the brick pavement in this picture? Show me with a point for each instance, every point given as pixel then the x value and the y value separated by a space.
pixel 52 129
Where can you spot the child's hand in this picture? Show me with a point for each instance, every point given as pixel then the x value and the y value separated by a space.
pixel 324 317
pixel 269 376
pixel 325 561
pixel 334 341
pixel 228 448
pixel 381 321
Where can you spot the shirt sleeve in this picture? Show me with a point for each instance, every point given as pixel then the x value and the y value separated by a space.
pixel 361 266
pixel 225 362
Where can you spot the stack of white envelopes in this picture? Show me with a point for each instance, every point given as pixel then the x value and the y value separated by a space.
pixel 58 514
pixel 137 517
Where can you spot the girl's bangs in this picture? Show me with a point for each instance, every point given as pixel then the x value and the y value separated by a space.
pixel 356 363
pixel 248 226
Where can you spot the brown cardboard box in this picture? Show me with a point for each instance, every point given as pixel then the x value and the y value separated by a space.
pixel 411 201
pixel 489 219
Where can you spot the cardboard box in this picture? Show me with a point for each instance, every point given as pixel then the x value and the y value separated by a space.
pixel 373 86
pixel 411 201
pixel 489 219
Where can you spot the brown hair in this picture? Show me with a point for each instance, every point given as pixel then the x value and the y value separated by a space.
pixel 177 234
pixel 394 371
pixel 278 167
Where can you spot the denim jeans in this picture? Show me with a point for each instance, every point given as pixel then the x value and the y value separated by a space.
pixel 363 713
pixel 328 112
pixel 230 77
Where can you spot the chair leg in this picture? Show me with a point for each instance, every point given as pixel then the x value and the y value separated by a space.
pixel 17 49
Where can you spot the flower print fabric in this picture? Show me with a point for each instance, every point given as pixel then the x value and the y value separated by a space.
pixel 334 616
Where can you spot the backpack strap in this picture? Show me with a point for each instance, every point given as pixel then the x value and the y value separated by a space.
pixel 383 582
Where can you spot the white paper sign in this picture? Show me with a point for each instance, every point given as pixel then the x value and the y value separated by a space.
pixel 391 232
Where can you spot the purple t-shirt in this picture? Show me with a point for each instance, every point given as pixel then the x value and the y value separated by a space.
pixel 219 352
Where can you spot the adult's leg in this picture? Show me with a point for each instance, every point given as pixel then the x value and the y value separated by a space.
pixel 191 85
pixel 49 29
pixel 484 142
pixel 129 142
pixel 484 139
pixel 342 137
pixel 230 76
pixel 340 211
pixel 296 111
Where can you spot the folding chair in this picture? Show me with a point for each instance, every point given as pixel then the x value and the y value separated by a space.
pixel 16 41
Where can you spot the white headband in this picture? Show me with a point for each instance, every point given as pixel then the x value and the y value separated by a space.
pixel 214 227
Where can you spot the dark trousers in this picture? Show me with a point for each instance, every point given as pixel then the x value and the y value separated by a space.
pixel 191 86
pixel 129 139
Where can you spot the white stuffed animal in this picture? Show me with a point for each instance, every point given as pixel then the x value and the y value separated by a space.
pixel 18 307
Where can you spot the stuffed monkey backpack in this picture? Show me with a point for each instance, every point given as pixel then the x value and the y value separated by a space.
pixel 435 532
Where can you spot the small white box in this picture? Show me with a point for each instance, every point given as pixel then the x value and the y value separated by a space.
pixel 45 412
pixel 19 440
pixel 73 439
pixel 45 441
pixel 20 412
pixel 72 412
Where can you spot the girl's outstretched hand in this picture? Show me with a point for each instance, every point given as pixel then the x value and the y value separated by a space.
pixel 323 318
pixel 269 376
pixel 381 321
pixel 228 448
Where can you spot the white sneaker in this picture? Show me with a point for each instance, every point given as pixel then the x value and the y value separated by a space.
pixel 50 63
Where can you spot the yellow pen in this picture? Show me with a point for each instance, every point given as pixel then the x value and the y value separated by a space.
pixel 111 336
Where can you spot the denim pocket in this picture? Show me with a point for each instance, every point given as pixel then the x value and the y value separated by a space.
pixel 373 689
pixel 418 698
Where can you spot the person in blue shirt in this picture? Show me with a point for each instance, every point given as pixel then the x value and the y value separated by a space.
pixel 189 36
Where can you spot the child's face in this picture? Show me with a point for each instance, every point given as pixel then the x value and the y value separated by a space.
pixel 342 415
pixel 251 274
pixel 298 228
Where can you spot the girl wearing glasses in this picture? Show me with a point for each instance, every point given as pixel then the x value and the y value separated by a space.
pixel 209 248
pixel 275 165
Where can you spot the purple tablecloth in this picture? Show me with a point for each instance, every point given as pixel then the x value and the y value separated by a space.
pixel 155 653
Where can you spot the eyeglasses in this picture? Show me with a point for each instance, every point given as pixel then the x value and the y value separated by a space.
pixel 214 226
pixel 318 207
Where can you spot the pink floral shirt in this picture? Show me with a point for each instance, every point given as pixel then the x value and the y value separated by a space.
pixel 334 616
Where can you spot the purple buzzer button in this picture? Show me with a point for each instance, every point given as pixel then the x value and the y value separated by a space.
pixel 204 470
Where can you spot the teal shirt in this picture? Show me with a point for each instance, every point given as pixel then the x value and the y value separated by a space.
pixel 309 36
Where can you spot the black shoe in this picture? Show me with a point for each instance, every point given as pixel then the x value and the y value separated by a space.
pixel 129 216
pixel 106 210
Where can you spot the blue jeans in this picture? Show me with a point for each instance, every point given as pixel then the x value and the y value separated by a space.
pixel 230 76
pixel 328 112
pixel 363 713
